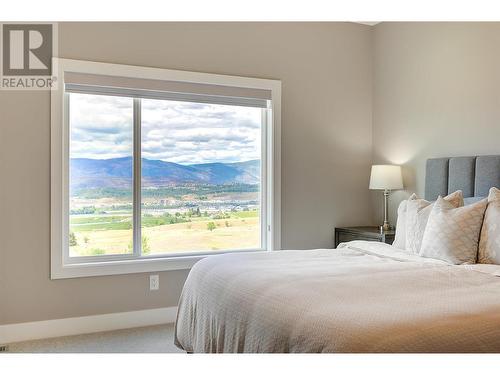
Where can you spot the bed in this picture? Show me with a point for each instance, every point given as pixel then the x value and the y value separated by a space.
pixel 361 297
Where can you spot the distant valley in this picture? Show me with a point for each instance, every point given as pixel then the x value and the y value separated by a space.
pixel 117 173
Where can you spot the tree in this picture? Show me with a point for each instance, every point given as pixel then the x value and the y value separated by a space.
pixel 145 244
pixel 211 226
pixel 72 239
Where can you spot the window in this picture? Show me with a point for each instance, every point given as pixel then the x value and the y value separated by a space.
pixel 201 177
pixel 100 175
pixel 154 169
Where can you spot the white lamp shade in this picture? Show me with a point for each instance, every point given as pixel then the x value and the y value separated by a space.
pixel 386 177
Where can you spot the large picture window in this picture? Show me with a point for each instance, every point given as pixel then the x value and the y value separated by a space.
pixel 156 173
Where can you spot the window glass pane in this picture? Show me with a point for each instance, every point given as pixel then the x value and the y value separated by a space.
pixel 200 177
pixel 101 158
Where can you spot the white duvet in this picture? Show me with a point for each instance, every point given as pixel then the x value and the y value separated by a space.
pixel 362 297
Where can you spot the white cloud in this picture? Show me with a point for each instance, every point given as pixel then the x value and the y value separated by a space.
pixel 180 132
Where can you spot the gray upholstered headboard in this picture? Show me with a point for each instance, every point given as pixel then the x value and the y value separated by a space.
pixel 474 175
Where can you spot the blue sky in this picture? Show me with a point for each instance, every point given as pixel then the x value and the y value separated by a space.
pixel 179 132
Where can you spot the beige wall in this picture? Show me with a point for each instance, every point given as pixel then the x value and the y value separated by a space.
pixel 326 147
pixel 436 93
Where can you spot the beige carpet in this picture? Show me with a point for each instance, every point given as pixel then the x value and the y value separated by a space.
pixel 153 339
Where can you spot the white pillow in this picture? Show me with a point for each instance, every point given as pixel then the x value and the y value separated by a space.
pixel 452 234
pixel 489 242
pixel 417 214
pixel 400 236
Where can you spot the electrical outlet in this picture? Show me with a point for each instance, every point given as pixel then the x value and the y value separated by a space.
pixel 154 282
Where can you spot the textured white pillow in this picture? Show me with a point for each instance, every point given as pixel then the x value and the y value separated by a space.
pixel 452 234
pixel 400 237
pixel 489 242
pixel 417 214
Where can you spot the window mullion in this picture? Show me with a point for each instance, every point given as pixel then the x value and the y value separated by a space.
pixel 137 179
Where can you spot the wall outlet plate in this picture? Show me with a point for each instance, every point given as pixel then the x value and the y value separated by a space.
pixel 154 282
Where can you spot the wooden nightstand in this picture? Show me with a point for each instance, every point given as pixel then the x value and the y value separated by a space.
pixel 347 234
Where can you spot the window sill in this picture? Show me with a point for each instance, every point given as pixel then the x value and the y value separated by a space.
pixel 129 266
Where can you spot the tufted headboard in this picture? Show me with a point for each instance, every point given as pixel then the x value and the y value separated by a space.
pixel 474 175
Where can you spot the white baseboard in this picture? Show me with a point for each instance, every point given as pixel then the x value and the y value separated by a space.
pixel 10 333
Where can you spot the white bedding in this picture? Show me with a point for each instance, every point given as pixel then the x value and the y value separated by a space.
pixel 384 250
pixel 362 297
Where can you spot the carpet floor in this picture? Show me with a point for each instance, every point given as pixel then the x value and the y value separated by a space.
pixel 152 339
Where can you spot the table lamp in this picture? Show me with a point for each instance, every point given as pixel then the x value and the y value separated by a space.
pixel 386 178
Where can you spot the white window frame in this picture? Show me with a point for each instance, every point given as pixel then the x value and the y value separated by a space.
pixel 64 267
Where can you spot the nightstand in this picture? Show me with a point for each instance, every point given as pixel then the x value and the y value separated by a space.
pixel 347 234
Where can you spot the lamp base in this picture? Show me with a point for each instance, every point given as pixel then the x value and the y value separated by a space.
pixel 386 227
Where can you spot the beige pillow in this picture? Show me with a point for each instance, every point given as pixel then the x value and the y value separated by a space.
pixel 452 234
pixel 400 236
pixel 417 214
pixel 489 243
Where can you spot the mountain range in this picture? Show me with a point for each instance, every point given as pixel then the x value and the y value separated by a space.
pixel 117 173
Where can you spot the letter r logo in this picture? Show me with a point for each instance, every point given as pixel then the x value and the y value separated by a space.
pixel 27 49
